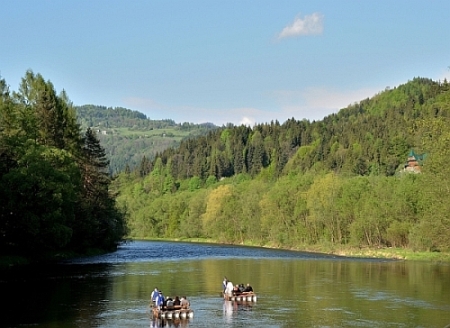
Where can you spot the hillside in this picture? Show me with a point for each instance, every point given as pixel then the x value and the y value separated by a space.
pixel 369 137
pixel 128 136
pixel 300 184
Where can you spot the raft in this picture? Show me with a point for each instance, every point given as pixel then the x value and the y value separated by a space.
pixel 172 313
pixel 245 297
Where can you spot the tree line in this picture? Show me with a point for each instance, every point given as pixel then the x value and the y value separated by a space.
pixel 369 137
pixel 339 181
pixel 54 183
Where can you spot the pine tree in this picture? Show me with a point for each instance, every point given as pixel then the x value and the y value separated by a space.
pixel 100 224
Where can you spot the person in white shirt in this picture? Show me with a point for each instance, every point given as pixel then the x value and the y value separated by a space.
pixel 229 289
pixel 184 303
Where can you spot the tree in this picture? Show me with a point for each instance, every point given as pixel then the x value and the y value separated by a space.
pixel 433 231
pixel 322 201
pixel 53 186
pixel 212 219
pixel 100 223
pixel 38 197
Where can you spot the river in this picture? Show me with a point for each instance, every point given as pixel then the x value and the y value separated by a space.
pixel 294 289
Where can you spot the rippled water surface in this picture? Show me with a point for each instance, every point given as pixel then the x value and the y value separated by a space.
pixel 293 289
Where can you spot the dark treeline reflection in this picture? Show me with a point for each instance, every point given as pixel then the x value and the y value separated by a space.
pixel 54 294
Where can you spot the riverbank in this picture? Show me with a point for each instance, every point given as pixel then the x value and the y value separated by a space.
pixel 386 253
pixel 382 253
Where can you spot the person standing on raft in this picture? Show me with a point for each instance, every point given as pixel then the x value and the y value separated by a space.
pixel 228 290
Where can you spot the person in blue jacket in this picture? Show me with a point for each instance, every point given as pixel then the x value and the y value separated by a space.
pixel 155 294
pixel 159 300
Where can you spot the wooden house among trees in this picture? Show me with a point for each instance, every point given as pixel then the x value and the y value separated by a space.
pixel 414 162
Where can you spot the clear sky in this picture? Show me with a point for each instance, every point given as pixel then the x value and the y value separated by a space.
pixel 229 61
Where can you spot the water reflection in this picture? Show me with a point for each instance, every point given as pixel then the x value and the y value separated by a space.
pixel 175 323
pixel 228 311
pixel 231 309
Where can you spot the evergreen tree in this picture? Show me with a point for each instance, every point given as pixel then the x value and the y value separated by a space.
pixel 99 221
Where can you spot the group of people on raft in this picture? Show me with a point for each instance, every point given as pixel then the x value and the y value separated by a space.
pixel 235 290
pixel 168 303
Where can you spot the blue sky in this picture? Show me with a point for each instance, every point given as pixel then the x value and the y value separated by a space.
pixel 240 61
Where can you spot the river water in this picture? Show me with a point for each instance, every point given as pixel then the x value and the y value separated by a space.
pixel 294 289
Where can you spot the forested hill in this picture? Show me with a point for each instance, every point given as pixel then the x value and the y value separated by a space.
pixel 130 138
pixel 336 181
pixel 373 136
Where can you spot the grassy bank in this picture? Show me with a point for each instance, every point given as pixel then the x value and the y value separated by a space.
pixel 396 253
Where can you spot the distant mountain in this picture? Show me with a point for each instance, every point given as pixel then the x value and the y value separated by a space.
pixel 128 136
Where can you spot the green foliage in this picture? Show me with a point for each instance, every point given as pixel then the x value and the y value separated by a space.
pixel 54 184
pixel 195 183
pixel 436 188
pixel 211 180
pixel 328 183
pixel 38 197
